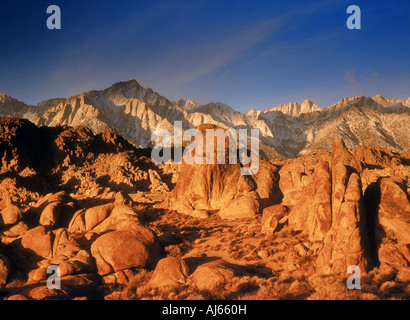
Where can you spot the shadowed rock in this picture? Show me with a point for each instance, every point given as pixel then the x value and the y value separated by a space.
pixel 343 244
pixel 393 230
pixel 4 270
pixel 313 211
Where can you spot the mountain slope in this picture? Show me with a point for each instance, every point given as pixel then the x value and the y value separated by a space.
pixel 288 130
pixel 14 108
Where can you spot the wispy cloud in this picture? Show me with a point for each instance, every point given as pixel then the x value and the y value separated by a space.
pixel 169 63
pixel 372 79
pixel 191 62
pixel 350 77
pixel 362 81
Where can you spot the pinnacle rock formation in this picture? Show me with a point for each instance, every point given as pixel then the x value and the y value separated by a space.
pixel 356 226
pixel 330 210
pixel 343 242
pixel 392 225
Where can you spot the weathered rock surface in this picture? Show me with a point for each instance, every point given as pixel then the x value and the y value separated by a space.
pixel 169 272
pixel 4 270
pixel 296 174
pixel 343 243
pixel 119 250
pixel 38 241
pixel 11 214
pixel 393 230
pixel 245 206
pixel 313 211
pixel 194 189
pixel 222 186
pixel 273 217
pixel 394 209
pixel 51 213
pixel 86 220
pixel 330 209
pixel 213 275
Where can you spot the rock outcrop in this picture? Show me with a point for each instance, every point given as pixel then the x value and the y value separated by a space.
pixel 344 244
pixel 392 225
pixel 222 187
pixel 356 226
pixel 79 161
pixel 313 210
pixel 330 210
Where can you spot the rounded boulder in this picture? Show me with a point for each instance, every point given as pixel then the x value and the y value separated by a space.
pixel 119 250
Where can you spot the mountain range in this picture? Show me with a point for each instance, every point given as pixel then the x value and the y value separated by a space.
pixel 286 131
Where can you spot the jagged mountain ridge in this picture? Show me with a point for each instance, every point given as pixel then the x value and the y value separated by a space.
pixel 295 109
pixel 286 131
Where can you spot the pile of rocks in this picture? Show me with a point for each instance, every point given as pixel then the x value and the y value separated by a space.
pixel 89 245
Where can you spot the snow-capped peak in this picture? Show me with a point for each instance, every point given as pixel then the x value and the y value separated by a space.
pixel 186 104
pixel 295 109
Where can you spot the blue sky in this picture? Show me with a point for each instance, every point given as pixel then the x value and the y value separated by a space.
pixel 248 54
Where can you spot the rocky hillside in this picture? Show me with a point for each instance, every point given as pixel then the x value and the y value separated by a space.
pixel 286 131
pixel 119 227
pixel 71 159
